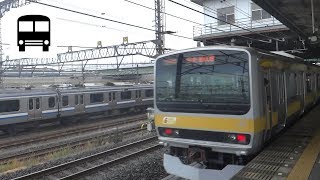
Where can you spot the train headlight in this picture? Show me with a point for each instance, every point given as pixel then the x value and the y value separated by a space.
pixel 238 138
pixel 21 42
pixel 169 132
pixel 46 42
pixel 241 138
pixel 231 137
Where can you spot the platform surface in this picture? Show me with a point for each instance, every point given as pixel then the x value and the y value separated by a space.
pixel 294 155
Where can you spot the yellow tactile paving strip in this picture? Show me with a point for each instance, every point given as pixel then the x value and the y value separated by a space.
pixel 306 161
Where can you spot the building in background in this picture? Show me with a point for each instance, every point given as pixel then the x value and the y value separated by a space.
pixel 242 22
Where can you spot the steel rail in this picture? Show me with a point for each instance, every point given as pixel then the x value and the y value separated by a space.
pixel 75 163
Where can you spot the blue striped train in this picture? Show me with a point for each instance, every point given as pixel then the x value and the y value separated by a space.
pixel 21 108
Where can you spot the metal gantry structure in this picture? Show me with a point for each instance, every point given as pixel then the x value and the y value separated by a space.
pixel 150 49
pixel 144 48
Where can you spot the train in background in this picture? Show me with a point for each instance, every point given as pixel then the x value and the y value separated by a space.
pixel 20 107
pixel 217 106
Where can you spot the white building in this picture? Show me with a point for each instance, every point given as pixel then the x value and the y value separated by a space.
pixel 233 19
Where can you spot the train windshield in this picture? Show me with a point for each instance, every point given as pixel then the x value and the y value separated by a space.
pixel 207 81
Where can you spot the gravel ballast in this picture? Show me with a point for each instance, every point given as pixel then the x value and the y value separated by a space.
pixel 153 161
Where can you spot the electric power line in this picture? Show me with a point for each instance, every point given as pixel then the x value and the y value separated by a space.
pixel 90 24
pixel 107 19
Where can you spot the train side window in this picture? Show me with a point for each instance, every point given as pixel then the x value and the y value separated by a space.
pixel 76 100
pixel 308 82
pixel 37 103
pixel 30 104
pixel 9 106
pixel 149 92
pixel 110 96
pixel 138 93
pixel 65 100
pixel 318 81
pixel 126 95
pixel 81 99
pixel 51 102
pixel 292 86
pixel 98 97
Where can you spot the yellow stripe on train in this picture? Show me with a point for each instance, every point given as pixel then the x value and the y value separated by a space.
pixel 211 123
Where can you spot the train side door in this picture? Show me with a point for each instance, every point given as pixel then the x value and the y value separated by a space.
pixel 34 108
pixel 281 100
pixel 268 102
pixel 79 103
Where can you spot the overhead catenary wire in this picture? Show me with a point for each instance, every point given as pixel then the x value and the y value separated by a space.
pixel 107 19
pixel 223 21
pixel 198 23
pixel 90 24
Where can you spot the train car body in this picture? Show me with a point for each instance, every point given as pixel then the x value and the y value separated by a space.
pixel 218 105
pixel 18 107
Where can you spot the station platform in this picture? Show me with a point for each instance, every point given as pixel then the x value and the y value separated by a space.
pixel 294 155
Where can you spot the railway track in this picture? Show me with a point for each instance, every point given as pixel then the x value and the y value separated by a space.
pixel 53 135
pixel 112 135
pixel 80 168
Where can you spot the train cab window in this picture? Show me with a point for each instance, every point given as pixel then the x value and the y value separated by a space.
pixel 126 95
pixel 9 106
pixel 51 102
pixel 81 99
pixel 149 93
pixel 76 100
pixel 65 100
pixel 204 81
pixel 37 103
pixel 95 98
pixel 30 104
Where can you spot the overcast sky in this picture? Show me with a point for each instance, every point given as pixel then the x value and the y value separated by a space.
pixel 68 28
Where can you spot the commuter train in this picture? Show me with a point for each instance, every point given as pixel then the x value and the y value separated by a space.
pixel 18 107
pixel 219 105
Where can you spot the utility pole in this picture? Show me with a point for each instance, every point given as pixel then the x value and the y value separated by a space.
pixel 160 25
pixel 1 59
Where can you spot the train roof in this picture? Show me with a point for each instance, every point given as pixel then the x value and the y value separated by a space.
pixel 284 56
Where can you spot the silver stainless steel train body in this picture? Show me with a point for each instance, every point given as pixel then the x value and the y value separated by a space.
pixel 23 106
pixel 222 103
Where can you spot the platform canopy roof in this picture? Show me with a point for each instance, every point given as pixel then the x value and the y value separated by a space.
pixel 301 16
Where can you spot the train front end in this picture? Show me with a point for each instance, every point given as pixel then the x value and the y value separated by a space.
pixel 203 109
